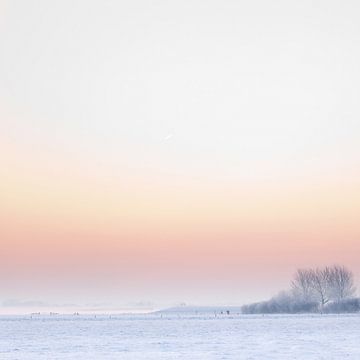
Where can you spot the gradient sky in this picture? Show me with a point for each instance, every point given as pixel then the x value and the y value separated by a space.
pixel 169 151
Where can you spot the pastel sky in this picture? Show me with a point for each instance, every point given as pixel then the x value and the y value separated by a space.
pixel 170 151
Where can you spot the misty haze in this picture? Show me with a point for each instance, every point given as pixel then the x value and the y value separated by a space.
pixel 179 179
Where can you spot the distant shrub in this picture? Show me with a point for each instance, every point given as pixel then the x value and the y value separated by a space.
pixel 283 303
pixel 345 306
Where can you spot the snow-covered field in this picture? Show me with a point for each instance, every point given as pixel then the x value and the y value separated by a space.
pixel 180 336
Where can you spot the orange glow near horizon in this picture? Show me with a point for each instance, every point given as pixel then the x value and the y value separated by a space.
pixel 80 227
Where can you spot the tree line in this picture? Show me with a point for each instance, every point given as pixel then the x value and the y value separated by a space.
pixel 327 289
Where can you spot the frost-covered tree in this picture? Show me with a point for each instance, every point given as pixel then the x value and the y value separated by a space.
pixel 301 285
pixel 327 289
pixel 331 283
pixel 321 285
pixel 341 283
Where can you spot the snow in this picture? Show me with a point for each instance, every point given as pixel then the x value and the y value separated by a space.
pixel 180 336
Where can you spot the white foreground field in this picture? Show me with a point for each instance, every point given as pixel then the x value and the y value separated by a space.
pixel 180 336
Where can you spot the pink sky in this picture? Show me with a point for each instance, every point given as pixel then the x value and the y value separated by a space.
pixel 197 152
pixel 78 236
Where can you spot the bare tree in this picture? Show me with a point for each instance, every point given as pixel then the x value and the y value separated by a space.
pixel 328 289
pixel 335 283
pixel 341 283
pixel 320 283
pixel 301 285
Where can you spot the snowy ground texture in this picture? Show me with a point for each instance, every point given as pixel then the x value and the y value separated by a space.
pixel 180 336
